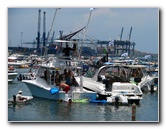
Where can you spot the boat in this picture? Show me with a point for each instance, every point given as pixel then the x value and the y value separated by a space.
pixel 95 80
pixel 12 101
pixel 10 80
pixel 42 84
pixel 18 61
pixel 12 74
pixel 149 82
pixel 148 79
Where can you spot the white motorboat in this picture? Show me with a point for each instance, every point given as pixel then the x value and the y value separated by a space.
pixel 18 61
pixel 95 80
pixel 12 75
pixel 149 83
pixel 149 79
pixel 42 85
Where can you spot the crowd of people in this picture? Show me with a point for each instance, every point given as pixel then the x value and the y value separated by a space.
pixel 64 80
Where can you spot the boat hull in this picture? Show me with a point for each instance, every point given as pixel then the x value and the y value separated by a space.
pixel 45 93
pixel 12 76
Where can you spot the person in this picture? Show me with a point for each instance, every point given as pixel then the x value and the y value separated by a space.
pixel 74 44
pixel 103 59
pixel 73 81
pixel 30 73
pixel 123 75
pixel 138 73
pixel 11 68
pixel 68 77
pixel 19 96
pixel 66 50
pixel 45 74
pixel 57 77
pixel 64 86
pixel 64 75
pixel 75 47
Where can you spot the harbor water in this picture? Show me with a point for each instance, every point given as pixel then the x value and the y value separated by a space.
pixel 42 110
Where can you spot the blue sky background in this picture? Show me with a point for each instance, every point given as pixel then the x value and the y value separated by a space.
pixel 105 24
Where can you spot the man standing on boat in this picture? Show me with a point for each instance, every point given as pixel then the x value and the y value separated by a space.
pixel 66 50
pixel 75 48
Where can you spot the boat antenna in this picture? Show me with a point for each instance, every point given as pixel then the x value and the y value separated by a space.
pixel 85 33
pixel 91 9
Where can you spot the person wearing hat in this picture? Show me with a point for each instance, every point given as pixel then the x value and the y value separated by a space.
pixel 75 47
pixel 19 96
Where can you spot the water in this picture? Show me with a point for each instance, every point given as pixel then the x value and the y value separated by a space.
pixel 53 111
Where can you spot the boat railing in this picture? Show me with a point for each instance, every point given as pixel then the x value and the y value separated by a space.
pixel 27 76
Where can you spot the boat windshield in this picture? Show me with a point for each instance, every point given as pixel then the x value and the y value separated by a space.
pixel 90 73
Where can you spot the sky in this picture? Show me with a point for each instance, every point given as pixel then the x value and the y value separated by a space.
pixel 105 24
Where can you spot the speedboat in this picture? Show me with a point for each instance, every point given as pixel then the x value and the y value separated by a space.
pixel 107 86
pixel 149 83
pixel 42 84
pixel 18 62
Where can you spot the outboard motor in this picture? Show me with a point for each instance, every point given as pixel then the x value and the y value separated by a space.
pixel 14 98
pixel 156 81
pixel 116 101
pixel 137 80
pixel 152 88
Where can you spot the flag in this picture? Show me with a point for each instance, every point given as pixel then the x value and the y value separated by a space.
pixel 147 56
pixel 111 43
pixel 56 47
pixel 92 9
pixel 125 54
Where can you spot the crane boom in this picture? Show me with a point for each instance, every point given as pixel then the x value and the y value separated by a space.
pixel 130 34
pixel 121 33
pixel 38 32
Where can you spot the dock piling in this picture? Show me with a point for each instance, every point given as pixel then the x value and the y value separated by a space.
pixel 133 111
